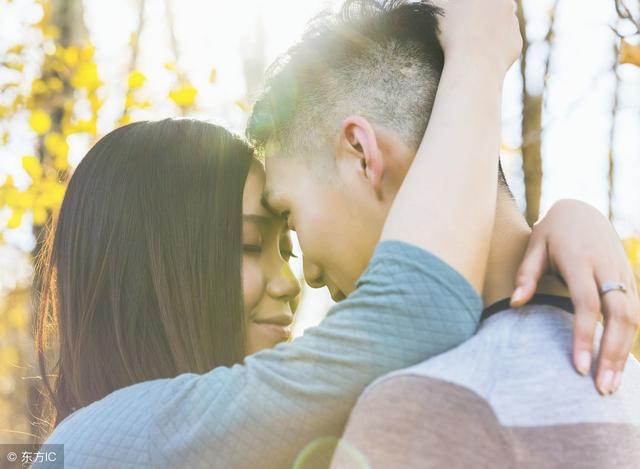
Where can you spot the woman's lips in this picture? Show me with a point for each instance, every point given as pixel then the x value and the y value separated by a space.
pixel 277 333
pixel 281 320
pixel 278 327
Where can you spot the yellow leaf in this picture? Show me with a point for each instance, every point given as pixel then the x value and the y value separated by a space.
pixel 61 163
pixel 124 120
pixel 38 87
pixel 32 166
pixel 170 66
pixel 86 76
pixel 87 52
pixel 214 76
pixel 24 200
pixel 52 193
pixel 88 126
pixel 71 56
pixel 16 49
pixel 16 219
pixel 629 53
pixel 5 137
pixel 184 95
pixel 17 66
pixel 55 84
pixel 40 121
pixel 632 246
pixel 39 216
pixel 129 101
pixel 136 79
pixel 56 145
pixel 95 102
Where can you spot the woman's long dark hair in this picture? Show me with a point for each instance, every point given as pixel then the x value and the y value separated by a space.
pixel 142 272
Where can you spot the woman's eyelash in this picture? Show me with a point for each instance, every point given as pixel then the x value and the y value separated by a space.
pixel 252 248
pixel 288 254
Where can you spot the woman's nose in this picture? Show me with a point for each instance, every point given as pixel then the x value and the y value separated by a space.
pixel 284 286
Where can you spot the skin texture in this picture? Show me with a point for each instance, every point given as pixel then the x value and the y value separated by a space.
pixel 269 285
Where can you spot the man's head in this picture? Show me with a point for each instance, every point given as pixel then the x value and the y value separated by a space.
pixel 341 118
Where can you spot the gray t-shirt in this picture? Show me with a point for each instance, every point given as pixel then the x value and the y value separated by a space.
pixel 282 403
pixel 509 397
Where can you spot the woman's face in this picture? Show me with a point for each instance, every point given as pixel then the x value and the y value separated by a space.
pixel 268 283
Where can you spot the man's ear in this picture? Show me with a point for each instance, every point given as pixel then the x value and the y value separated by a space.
pixel 358 139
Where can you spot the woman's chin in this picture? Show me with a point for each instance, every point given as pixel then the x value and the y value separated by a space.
pixel 266 336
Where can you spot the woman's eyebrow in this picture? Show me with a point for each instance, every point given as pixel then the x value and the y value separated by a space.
pixel 258 219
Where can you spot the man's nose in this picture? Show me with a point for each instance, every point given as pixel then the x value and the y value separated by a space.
pixel 313 274
pixel 284 286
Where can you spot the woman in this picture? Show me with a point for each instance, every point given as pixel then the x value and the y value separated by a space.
pixel 166 272
pixel 145 272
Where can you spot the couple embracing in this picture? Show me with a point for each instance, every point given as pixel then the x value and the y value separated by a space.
pixel 169 294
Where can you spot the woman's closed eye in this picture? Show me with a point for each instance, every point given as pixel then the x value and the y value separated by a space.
pixel 288 254
pixel 252 248
pixel 286 248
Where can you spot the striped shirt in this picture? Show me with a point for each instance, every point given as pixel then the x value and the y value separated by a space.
pixel 509 397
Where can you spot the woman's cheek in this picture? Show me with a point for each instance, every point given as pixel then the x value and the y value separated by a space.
pixel 252 283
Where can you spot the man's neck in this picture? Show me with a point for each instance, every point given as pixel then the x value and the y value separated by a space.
pixel 508 245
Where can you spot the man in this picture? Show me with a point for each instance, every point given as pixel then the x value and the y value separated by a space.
pixel 418 298
pixel 340 122
pixel 506 397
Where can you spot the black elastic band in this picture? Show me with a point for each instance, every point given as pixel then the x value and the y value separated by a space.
pixel 561 302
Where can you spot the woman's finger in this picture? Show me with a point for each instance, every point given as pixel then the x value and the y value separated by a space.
pixel 585 297
pixel 533 267
pixel 621 323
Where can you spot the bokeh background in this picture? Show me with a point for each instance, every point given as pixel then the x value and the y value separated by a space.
pixel 73 70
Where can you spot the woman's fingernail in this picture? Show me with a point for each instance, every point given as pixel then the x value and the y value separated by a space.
pixel 517 296
pixel 584 362
pixel 616 381
pixel 606 382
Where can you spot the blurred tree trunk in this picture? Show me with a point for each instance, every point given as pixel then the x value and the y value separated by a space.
pixel 532 106
pixel 67 18
pixel 614 115
pixel 254 60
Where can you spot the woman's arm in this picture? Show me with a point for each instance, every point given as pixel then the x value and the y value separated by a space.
pixel 447 201
pixel 294 400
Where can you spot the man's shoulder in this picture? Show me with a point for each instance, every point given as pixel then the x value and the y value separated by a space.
pixel 473 364
pixel 519 363
pixel 505 343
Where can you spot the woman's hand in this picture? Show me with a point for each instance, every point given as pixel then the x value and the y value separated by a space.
pixel 576 242
pixel 486 31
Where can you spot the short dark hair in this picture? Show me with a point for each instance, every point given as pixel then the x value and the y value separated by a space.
pixel 142 272
pixel 378 58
